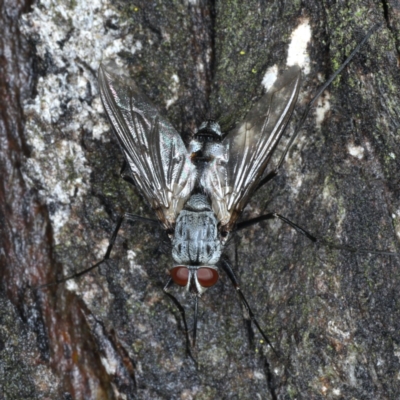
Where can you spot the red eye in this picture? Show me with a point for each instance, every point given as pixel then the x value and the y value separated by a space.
pixel 180 275
pixel 207 277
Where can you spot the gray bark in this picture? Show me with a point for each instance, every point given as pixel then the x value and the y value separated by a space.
pixel 333 315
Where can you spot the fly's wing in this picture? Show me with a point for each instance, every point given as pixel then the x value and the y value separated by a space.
pixel 239 162
pixel 155 152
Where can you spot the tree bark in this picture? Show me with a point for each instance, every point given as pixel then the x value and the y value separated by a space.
pixel 332 315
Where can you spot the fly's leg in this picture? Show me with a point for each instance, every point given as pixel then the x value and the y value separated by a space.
pixel 183 315
pixel 128 217
pixel 275 172
pixel 196 310
pixel 253 221
pixel 232 276
pixel 314 239
pixel 134 218
pixel 229 271
pixel 125 175
pixel 271 175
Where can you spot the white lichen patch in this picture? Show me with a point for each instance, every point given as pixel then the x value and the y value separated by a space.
pixel 396 222
pixel 336 392
pixel 341 217
pixel 91 292
pixel 297 51
pixel 131 255
pixel 71 285
pixel 58 170
pixel 270 77
pixel 174 89
pixel 71 40
pixel 189 394
pixel 396 351
pixel 258 374
pixel 99 126
pixel 293 161
pixel 323 106
pixel 355 151
pixel 101 248
pixel 350 363
pixel 110 365
pixel 334 330
pixel 295 181
pixel 200 67
pixel 135 268
pixel 327 194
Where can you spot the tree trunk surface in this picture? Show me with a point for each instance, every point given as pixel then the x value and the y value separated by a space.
pixel 332 315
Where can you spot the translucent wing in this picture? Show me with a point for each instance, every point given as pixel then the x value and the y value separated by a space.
pixel 239 161
pixel 155 152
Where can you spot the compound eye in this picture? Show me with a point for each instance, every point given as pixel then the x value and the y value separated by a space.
pixel 180 275
pixel 207 277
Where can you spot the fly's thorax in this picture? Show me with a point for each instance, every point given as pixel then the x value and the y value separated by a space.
pixel 196 279
pixel 198 203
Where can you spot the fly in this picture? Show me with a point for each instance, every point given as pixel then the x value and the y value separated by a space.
pixel 198 193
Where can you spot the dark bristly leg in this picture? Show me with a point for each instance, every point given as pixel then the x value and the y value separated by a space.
pixel 253 221
pixel 250 332
pixel 125 175
pixel 314 239
pixel 183 315
pixel 229 271
pixel 133 217
pixel 271 175
pixel 196 310
pixel 128 217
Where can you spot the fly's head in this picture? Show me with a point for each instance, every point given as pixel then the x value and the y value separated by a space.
pixel 196 246
pixel 209 131
pixel 196 279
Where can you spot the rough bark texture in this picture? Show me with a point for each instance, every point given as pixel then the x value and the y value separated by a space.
pixel 333 315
